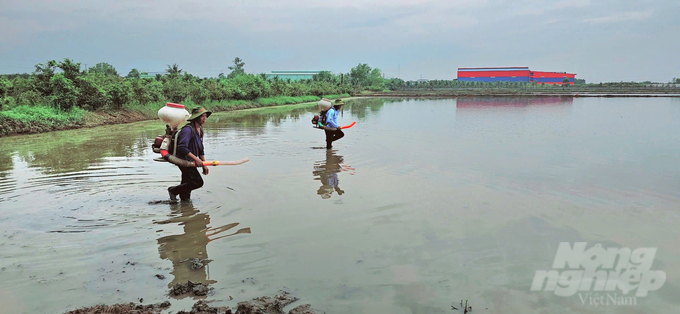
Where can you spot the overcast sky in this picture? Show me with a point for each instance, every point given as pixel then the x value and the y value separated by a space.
pixel 599 40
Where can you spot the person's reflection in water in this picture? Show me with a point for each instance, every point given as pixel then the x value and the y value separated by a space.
pixel 183 249
pixel 327 173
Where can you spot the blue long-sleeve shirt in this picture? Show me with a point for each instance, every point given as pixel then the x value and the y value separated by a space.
pixel 332 118
pixel 185 143
pixel 331 179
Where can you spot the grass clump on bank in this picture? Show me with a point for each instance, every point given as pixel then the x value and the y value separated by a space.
pixel 47 113
pixel 33 119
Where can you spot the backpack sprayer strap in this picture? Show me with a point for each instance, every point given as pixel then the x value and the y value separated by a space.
pixel 193 135
pixel 174 142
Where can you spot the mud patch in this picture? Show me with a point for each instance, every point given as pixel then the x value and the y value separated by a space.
pixel 162 202
pixel 266 305
pixel 190 289
pixel 202 307
pixel 123 309
pixel 302 309
pixel 196 263
pixel 261 305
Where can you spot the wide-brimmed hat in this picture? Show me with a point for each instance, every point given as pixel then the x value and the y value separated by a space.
pixel 197 112
pixel 338 102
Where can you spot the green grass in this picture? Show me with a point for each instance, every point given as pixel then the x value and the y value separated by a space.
pixel 43 114
pixel 36 119
pixel 345 95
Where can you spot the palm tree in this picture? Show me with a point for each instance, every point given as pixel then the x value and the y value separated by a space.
pixel 174 69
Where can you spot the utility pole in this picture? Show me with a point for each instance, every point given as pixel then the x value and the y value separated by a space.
pixel 399 72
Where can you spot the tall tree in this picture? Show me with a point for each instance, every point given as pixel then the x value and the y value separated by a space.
pixel 324 76
pixel 237 68
pixel 359 75
pixel 133 74
pixel 103 68
pixel 376 77
pixel 5 86
pixel 64 92
pixel 173 70
pixel 70 68
pixel 43 74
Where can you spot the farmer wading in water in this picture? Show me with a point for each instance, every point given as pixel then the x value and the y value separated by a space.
pixel 190 147
pixel 332 122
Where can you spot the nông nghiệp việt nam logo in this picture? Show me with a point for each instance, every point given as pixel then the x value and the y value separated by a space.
pixel 579 269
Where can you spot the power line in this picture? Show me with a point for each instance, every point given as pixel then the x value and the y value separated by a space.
pixel 14 66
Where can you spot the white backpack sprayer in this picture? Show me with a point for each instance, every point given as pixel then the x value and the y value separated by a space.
pixel 175 115
pixel 319 121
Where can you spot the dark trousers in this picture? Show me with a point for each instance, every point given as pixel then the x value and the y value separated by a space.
pixel 191 180
pixel 332 136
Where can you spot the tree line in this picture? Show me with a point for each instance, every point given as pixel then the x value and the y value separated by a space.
pixel 65 85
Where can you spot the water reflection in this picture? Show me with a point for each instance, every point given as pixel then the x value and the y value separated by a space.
pixel 183 249
pixel 76 150
pixel 327 172
pixel 361 108
pixel 520 101
pixel 257 119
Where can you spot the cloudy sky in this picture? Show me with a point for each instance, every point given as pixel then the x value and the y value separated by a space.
pixel 599 40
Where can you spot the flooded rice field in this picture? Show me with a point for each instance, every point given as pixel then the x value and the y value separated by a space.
pixel 422 204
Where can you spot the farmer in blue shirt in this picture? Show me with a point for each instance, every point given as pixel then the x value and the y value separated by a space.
pixel 190 147
pixel 332 122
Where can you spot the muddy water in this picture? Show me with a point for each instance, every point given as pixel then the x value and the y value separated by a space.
pixel 423 203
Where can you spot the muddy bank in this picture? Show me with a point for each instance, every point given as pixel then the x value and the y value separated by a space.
pixel 260 305
pixel 11 127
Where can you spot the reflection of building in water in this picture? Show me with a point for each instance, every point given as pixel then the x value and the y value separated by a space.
pixel 471 102
pixel 192 244
pixel 327 172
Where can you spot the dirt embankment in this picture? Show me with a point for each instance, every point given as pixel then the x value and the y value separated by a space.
pixel 90 119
